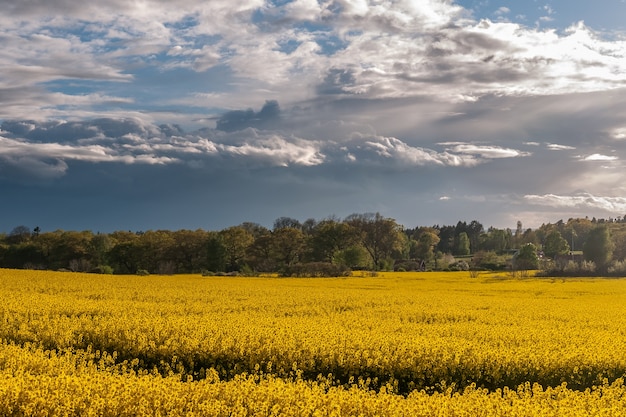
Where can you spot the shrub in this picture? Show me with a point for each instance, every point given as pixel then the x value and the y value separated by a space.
pixel 102 269
pixel 489 260
pixel 459 266
pixel 316 269
pixel 404 266
pixel 587 267
pixel 618 268
pixel 247 271
pixel 142 272
pixel 571 267
pixel 447 261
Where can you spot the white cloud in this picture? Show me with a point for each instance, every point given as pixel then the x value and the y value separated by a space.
pixel 11 149
pixel 502 11
pixel 396 151
pixel 587 201
pixel 557 147
pixel 619 133
pixel 133 141
pixel 600 157
pixel 487 152
pixel 306 10
pixel 391 49
pixel 279 151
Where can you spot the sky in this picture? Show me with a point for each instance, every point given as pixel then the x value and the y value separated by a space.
pixel 187 114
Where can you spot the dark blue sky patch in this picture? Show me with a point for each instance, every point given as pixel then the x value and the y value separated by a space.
pixel 331 44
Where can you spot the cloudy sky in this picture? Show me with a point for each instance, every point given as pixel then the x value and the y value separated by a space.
pixel 185 114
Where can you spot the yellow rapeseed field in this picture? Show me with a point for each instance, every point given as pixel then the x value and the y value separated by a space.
pixel 398 344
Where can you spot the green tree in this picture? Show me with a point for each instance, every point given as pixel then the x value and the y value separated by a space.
pixel 287 222
pixel 236 241
pixel 157 254
pixel 497 240
pixel 255 229
pixel 308 226
pixel 354 257
pixel 73 250
pixel 619 242
pixel 100 246
pixel 329 237
pixel 463 245
pixel 424 248
pixel 189 250
pixel 517 237
pixel 287 245
pixel 571 235
pixel 529 236
pixel 555 244
pixel 447 239
pixel 260 255
pixel 216 253
pixel 46 244
pixel 381 237
pixel 125 255
pixel 526 258
pixel 19 234
pixel 474 230
pixel 488 260
pixel 598 248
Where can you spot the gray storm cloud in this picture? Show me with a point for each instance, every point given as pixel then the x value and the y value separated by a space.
pixel 131 141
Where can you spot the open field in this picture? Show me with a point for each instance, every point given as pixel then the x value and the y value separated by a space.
pixel 396 344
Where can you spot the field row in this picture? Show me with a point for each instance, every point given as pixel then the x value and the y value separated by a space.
pixel 38 383
pixel 407 332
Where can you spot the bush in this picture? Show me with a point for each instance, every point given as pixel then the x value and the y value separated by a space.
pixel 489 260
pixel 316 269
pixel 618 268
pixel 447 261
pixel 459 266
pixel 102 269
pixel 587 267
pixel 404 266
pixel 226 274
pixel 572 269
pixel 247 271
pixel 143 272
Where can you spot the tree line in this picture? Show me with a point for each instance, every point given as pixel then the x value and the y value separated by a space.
pixel 330 246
